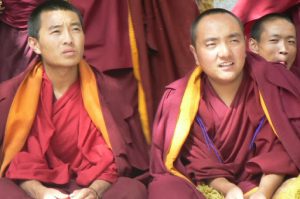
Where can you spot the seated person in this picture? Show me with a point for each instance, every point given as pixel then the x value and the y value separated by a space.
pixel 274 38
pixel 58 137
pixel 228 123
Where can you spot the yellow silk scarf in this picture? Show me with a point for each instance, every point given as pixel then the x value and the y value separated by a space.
pixel 24 107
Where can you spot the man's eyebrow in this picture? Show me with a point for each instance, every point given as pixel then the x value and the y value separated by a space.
pixel 54 27
pixel 211 39
pixel 76 24
pixel 236 34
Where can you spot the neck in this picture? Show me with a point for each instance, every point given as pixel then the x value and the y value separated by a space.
pixel 227 91
pixel 61 78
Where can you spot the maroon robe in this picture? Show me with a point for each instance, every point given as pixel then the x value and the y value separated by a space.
pixel 244 143
pixel 281 94
pixel 15 54
pixel 131 158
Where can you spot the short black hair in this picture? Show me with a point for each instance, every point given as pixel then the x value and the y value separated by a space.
pixel 34 22
pixel 211 12
pixel 257 27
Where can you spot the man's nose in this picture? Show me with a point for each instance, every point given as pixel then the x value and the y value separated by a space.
pixel 224 50
pixel 67 37
pixel 283 49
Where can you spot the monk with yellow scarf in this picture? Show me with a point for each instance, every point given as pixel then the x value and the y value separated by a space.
pixel 231 124
pixel 60 139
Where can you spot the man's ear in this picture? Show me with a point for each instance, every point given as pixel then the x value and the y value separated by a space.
pixel 34 45
pixel 194 52
pixel 253 45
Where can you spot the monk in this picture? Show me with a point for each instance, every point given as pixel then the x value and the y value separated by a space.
pixel 57 134
pixel 224 123
pixel 274 38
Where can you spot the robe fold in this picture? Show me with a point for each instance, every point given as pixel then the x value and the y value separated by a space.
pixel 278 101
pixel 63 142
pixel 238 156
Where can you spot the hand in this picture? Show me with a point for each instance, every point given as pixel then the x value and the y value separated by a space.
pixel 84 194
pixel 50 193
pixel 1 7
pixel 258 195
pixel 235 193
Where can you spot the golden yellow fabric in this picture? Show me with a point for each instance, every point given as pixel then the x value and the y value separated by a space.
pixel 290 189
pixel 188 109
pixel 21 115
pixel 136 70
pixel 24 106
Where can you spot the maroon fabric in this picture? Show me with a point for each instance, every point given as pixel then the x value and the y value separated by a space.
pixel 129 161
pixel 163 40
pixel 130 189
pixel 106 33
pixel 17 12
pixel 231 130
pixel 51 148
pixel 168 186
pixel 280 91
pixel 15 54
pixel 251 10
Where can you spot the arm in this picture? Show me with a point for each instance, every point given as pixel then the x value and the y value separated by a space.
pixel 227 188
pixel 267 186
pixel 37 190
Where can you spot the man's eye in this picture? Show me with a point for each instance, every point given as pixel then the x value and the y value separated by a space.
pixel 210 45
pixel 273 40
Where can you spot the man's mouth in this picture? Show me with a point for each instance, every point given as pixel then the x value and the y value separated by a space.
pixel 226 64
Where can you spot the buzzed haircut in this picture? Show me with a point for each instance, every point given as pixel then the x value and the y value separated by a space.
pixel 257 27
pixel 34 22
pixel 207 13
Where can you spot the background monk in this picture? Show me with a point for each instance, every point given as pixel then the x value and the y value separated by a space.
pixel 274 38
pixel 60 140
pixel 218 127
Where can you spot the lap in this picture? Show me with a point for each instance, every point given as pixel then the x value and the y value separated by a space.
pixel 169 186
pixel 126 188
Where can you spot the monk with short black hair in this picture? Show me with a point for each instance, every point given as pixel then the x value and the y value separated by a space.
pixel 58 137
pixel 230 124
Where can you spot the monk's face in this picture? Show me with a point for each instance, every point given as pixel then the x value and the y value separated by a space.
pixel 61 39
pixel 277 42
pixel 220 48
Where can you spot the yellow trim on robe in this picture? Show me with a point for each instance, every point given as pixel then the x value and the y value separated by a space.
pixel 21 116
pixel 91 101
pixel 187 113
pixel 264 107
pixel 141 93
pixel 24 107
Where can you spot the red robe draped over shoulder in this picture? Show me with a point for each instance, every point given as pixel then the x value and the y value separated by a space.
pixel 281 94
pixel 63 143
pixel 232 131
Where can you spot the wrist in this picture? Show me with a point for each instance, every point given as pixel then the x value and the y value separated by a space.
pixel 96 193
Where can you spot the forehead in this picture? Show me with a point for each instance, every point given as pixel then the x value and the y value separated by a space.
pixel 218 25
pixel 58 17
pixel 278 26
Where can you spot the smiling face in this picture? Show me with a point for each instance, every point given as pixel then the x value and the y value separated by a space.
pixel 277 42
pixel 220 48
pixel 61 39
